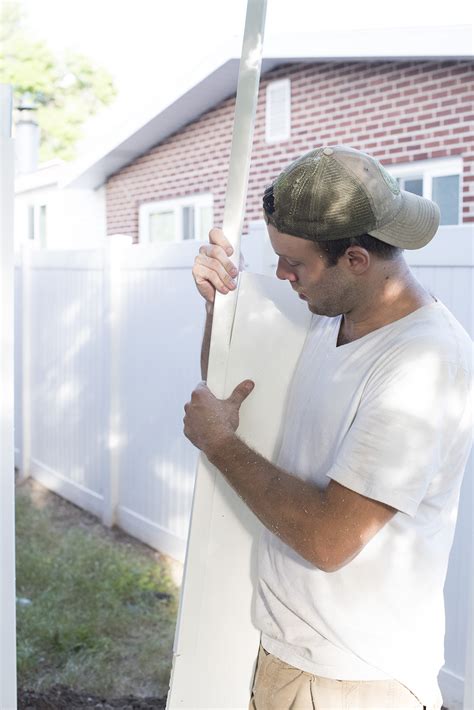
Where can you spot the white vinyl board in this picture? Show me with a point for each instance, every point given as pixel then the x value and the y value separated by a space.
pixel 216 643
pixel 7 476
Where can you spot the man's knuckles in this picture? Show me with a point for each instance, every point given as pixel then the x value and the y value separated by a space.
pixel 199 391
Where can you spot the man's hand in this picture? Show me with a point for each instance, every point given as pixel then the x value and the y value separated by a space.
pixel 209 421
pixel 213 270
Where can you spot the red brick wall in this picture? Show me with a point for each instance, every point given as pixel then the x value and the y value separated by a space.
pixel 397 111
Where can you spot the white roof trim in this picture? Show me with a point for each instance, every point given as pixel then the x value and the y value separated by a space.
pixel 216 79
pixel 46 175
pixel 446 41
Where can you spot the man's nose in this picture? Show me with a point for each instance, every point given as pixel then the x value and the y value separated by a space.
pixel 284 273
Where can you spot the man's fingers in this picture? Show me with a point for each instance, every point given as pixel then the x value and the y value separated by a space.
pixel 225 274
pixel 241 392
pixel 205 276
pixel 213 270
pixel 216 256
pixel 217 236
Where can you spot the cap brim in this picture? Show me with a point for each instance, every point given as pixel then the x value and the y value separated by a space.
pixel 414 226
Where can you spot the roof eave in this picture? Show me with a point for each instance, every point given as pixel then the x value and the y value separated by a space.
pixel 219 81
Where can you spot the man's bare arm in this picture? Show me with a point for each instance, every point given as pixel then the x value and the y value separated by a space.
pixel 327 526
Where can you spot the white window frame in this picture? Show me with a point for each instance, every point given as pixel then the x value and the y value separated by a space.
pixel 40 241
pixel 427 170
pixel 269 136
pixel 175 205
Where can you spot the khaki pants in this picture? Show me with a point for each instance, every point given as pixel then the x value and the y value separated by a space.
pixel 279 686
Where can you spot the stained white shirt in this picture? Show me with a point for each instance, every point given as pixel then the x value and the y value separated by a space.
pixel 389 416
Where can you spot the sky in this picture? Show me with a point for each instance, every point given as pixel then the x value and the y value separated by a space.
pixel 146 44
pixel 142 41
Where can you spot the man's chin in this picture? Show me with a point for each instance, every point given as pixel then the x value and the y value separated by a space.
pixel 320 310
pixel 317 310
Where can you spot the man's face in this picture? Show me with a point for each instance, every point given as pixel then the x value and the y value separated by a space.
pixel 328 290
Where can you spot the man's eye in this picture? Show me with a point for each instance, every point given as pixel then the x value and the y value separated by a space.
pixel 292 263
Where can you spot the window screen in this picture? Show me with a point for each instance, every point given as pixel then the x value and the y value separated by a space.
pixel 188 222
pixel 445 191
pixel 206 216
pixel 31 222
pixel 414 185
pixel 42 226
pixel 162 226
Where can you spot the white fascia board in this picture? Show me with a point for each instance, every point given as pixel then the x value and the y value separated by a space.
pixel 435 42
pixel 215 79
pixel 43 177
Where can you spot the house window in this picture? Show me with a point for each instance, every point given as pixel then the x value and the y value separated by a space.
pixel 278 111
pixel 42 226
pixel 438 180
pixel 177 220
pixel 31 221
pixel 37 224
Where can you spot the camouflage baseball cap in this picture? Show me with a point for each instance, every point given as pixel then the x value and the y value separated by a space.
pixel 336 192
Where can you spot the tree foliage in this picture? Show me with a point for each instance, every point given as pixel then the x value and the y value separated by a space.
pixel 66 89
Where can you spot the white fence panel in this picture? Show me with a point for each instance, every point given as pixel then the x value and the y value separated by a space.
pixel 68 392
pixel 161 324
pixel 104 334
pixel 454 285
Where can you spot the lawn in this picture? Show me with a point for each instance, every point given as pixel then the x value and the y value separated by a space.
pixel 96 610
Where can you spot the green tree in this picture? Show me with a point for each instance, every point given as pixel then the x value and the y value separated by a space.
pixel 67 90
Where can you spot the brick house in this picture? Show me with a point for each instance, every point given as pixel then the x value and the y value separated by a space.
pixel 414 114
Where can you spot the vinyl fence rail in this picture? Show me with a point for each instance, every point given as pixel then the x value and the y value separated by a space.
pixel 107 349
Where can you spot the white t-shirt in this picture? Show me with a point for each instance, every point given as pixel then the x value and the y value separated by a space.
pixel 390 416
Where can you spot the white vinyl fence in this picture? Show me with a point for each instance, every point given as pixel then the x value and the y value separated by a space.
pixel 107 353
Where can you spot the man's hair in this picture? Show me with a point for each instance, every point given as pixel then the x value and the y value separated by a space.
pixel 335 248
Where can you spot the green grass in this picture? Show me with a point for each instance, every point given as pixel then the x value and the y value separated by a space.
pixel 103 610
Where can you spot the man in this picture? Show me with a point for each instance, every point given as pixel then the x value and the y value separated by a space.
pixel 360 508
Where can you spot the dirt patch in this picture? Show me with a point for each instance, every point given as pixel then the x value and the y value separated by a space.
pixel 61 698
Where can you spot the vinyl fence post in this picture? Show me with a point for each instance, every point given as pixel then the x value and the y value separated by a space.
pixel 25 362
pixel 7 458
pixel 112 273
pixel 469 672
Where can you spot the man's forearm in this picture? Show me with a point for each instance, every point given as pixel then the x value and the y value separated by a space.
pixel 294 510
pixel 206 340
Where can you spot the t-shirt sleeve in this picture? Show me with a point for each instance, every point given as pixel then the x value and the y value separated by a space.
pixel 411 406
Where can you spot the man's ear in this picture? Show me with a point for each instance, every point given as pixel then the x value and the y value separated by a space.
pixel 356 259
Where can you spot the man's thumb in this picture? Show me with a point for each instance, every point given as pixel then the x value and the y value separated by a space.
pixel 241 392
